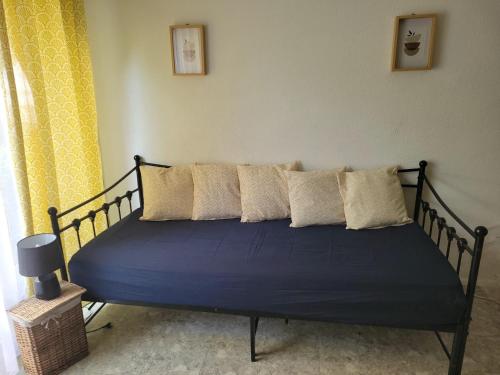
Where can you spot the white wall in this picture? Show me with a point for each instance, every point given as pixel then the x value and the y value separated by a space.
pixel 305 80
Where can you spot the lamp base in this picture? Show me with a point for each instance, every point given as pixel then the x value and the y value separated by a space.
pixel 47 287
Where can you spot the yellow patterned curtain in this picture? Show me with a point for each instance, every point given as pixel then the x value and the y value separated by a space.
pixel 47 86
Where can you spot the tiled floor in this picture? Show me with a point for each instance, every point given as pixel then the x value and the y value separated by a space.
pixel 159 341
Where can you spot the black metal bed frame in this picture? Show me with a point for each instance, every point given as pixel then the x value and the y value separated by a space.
pixel 434 223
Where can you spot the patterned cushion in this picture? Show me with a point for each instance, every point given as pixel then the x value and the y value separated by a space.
pixel 216 192
pixel 168 193
pixel 264 191
pixel 373 198
pixel 315 198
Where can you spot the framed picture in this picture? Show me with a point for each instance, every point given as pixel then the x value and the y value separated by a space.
pixel 187 44
pixel 413 42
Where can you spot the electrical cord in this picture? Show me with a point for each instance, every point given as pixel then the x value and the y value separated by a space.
pixel 107 326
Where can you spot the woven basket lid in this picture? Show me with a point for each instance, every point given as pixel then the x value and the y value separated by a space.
pixel 31 311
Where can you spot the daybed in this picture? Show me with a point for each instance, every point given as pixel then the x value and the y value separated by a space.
pixel 395 276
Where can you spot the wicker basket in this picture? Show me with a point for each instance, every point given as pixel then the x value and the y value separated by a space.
pixel 56 339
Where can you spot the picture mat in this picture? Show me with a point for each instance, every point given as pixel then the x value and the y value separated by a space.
pixel 183 66
pixel 421 26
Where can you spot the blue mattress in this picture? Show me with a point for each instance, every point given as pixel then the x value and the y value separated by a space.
pixel 394 276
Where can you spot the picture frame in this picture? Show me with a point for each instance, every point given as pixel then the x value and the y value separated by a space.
pixel 413 42
pixel 187 45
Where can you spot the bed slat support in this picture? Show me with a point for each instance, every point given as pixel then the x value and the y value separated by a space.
pixel 93 315
pixel 443 345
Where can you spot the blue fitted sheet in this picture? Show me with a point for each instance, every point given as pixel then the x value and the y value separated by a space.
pixel 394 276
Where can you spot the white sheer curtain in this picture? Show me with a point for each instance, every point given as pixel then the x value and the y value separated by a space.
pixel 12 229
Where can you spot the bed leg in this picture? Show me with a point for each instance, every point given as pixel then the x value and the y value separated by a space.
pixel 458 350
pixel 254 321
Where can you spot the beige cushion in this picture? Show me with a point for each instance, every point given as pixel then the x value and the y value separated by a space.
pixel 315 198
pixel 168 193
pixel 216 192
pixel 373 198
pixel 264 191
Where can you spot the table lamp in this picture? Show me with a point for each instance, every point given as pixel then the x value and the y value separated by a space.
pixel 39 256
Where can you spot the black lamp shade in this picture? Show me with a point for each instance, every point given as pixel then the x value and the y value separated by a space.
pixel 39 255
